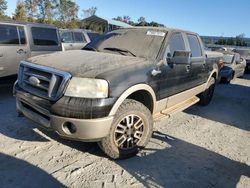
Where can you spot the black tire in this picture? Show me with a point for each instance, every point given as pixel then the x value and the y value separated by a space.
pixel 231 77
pixel 207 95
pixel 133 109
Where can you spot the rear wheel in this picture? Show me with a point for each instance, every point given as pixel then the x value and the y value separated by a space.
pixel 207 95
pixel 130 131
pixel 229 78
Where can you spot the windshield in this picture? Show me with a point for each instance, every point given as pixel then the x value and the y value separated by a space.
pixel 141 42
pixel 228 58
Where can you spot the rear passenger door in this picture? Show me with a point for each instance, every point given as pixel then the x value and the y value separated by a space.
pixel 198 61
pixel 13 48
pixel 79 40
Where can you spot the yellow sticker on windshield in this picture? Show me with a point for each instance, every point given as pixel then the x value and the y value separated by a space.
pixel 156 33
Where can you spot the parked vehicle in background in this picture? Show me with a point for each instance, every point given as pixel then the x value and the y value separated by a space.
pixel 19 41
pixel 220 48
pixel 93 35
pixel 113 92
pixel 234 66
pixel 76 39
pixel 245 53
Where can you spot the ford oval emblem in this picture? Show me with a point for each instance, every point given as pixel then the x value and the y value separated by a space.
pixel 34 80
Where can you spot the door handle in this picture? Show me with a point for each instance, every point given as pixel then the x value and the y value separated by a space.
pixel 1 55
pixel 21 51
pixel 155 72
pixel 188 68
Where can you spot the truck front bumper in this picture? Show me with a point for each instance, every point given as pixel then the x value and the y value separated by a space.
pixel 33 108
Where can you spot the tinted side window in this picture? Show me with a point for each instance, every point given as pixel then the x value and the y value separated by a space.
pixel 176 43
pixel 44 36
pixel 8 34
pixel 67 36
pixel 194 46
pixel 93 36
pixel 79 37
pixel 22 35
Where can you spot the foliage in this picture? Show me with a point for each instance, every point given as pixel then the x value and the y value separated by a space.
pixel 64 14
pixel 20 11
pixel 233 41
pixel 89 12
pixel 141 21
pixel 68 10
pixel 31 7
pixel 3 7
pixel 46 11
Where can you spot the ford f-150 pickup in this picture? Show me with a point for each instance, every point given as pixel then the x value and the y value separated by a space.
pixel 112 91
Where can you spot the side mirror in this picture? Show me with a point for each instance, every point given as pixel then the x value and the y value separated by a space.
pixel 62 40
pixel 181 57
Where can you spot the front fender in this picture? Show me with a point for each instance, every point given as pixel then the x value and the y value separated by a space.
pixel 128 92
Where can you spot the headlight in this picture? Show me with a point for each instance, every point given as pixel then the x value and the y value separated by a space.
pixel 87 88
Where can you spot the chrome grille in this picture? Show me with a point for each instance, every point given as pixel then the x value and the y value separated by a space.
pixel 42 81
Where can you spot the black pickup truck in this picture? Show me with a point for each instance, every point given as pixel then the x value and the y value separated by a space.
pixel 113 90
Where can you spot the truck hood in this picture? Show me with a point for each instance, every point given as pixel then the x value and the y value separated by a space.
pixel 81 63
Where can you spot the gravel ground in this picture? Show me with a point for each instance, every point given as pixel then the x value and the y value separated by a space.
pixel 200 147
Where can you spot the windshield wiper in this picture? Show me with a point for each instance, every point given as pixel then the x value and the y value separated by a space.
pixel 120 50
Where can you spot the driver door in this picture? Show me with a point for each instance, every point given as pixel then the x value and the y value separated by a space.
pixel 175 76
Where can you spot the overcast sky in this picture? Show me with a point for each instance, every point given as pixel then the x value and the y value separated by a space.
pixel 206 17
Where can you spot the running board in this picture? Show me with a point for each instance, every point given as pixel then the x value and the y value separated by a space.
pixel 168 112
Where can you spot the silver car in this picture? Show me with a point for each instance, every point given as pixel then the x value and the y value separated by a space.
pixel 19 41
pixel 74 39
pixel 234 66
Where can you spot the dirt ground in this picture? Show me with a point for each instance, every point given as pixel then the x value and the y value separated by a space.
pixel 200 147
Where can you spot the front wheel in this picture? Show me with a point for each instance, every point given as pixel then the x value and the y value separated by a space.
pixel 207 95
pixel 130 131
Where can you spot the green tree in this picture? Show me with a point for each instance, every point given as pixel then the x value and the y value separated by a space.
pixel 230 41
pixel 142 21
pixel 240 41
pixel 66 14
pixel 46 10
pixel 3 7
pixel 118 18
pixel 89 12
pixel 68 10
pixel 20 11
pixel 126 19
pixel 221 41
pixel 31 7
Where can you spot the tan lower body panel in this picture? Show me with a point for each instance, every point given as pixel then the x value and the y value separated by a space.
pixel 176 108
pixel 178 102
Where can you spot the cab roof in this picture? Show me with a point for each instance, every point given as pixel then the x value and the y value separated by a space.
pixel 163 29
pixel 26 23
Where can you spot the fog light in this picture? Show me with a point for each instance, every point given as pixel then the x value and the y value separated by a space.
pixel 69 128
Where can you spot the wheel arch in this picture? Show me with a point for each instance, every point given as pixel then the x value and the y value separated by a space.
pixel 213 74
pixel 140 93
